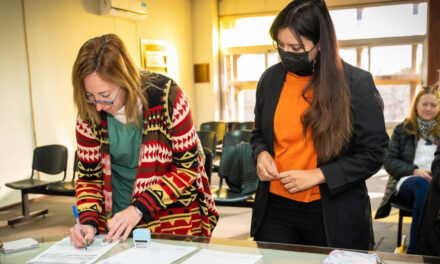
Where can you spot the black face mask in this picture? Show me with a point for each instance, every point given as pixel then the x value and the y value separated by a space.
pixel 297 63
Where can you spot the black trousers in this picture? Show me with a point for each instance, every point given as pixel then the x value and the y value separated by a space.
pixel 292 222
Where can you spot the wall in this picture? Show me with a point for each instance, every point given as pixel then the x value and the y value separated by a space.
pixel 16 138
pixel 206 50
pixel 56 30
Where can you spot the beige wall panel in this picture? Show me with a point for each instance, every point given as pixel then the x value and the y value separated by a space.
pixel 205 50
pixel 170 20
pixel 16 137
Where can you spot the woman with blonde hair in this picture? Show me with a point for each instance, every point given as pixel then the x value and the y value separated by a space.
pixel 409 157
pixel 140 161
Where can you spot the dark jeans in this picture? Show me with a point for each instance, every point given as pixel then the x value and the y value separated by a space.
pixel 292 222
pixel 413 191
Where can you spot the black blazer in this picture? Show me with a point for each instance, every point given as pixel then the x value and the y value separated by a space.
pixel 345 200
pixel 429 222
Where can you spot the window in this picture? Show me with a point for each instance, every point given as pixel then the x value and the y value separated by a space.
pixel 386 40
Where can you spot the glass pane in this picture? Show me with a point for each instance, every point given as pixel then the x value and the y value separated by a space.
pixel 250 67
pixel 390 60
pixel 272 58
pixel 348 55
pixel 365 59
pixel 400 20
pixel 246 104
pixel 239 32
pixel 396 101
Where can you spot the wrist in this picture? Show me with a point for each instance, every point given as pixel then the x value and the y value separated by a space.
pixel 138 211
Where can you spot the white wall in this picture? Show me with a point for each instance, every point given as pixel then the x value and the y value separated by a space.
pixel 16 136
pixel 56 30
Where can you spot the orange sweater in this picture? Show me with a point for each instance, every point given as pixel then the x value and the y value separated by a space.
pixel 292 150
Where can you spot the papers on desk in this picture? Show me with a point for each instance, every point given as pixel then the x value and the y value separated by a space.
pixel 351 257
pixel 219 257
pixel 156 253
pixel 64 252
pixel 18 245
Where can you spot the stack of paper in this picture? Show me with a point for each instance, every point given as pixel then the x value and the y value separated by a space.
pixel 18 245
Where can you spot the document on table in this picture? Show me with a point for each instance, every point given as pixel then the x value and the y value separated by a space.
pixel 219 257
pixel 64 252
pixel 156 253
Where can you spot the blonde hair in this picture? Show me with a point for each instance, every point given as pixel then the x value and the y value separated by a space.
pixel 412 118
pixel 108 57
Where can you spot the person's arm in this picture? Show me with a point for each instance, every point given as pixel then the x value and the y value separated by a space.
pixel 88 185
pixel 393 164
pixel 266 167
pixel 435 168
pixel 184 154
pixel 364 155
pixel 258 143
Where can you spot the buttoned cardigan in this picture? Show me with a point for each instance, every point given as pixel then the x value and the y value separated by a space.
pixel 171 188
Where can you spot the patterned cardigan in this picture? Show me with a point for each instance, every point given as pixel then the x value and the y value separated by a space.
pixel 171 188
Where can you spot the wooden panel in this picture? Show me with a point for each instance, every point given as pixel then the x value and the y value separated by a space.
pixel 201 72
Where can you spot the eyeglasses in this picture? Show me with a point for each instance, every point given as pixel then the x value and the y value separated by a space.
pixel 107 102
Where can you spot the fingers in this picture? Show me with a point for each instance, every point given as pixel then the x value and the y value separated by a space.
pixel 122 223
pixel 77 239
pixel 266 167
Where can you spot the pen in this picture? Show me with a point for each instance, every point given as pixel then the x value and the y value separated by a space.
pixel 75 213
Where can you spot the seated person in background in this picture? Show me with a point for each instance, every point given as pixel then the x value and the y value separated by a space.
pixel 429 222
pixel 409 157
pixel 140 160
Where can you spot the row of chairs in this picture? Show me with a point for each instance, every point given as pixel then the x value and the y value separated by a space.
pixel 221 194
pixel 220 127
pixel 50 160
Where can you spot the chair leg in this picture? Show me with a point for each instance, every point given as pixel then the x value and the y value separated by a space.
pixel 25 210
pixel 399 229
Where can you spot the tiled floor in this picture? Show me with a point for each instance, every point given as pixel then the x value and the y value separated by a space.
pixel 234 221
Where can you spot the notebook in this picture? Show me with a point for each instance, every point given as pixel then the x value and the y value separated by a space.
pixel 18 245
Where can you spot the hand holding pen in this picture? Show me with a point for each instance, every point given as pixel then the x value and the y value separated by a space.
pixel 81 235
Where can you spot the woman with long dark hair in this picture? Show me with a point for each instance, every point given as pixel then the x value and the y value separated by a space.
pixel 320 133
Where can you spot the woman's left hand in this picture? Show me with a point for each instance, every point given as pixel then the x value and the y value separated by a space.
pixel 122 223
pixel 300 180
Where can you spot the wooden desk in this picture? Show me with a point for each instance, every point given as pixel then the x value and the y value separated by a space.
pixel 272 252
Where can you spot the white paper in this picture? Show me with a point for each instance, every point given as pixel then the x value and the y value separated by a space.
pixel 210 256
pixel 156 253
pixel 65 252
pixel 18 245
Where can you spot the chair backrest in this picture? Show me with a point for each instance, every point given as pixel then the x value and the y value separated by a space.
pixel 50 159
pixel 208 139
pixel 234 137
pixel 243 126
pixel 218 127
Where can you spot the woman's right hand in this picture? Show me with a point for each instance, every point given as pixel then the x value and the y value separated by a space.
pixel 76 237
pixel 425 173
pixel 266 167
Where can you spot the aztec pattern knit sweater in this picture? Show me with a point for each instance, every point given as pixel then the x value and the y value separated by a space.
pixel 171 188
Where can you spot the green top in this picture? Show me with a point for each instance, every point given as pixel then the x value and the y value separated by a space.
pixel 125 144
